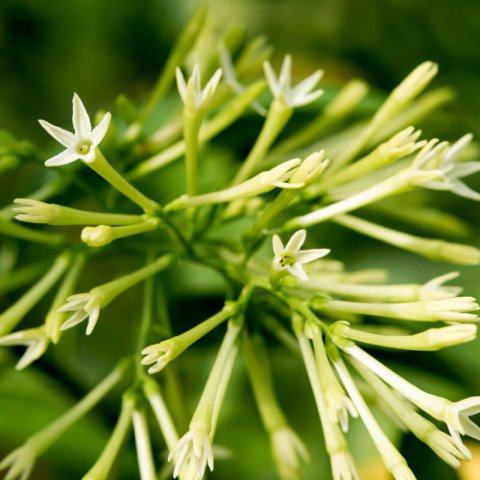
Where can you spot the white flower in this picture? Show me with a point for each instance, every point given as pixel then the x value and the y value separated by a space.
pixel 343 467
pixel 81 144
pixel 36 341
pixel 161 354
pixel 193 450
pixel 288 450
pixel 454 414
pixel 452 169
pixel 291 258
pixel 458 422
pixel 281 86
pixel 435 289
pixel 34 211
pixel 83 305
pixel 191 91
pixel 20 462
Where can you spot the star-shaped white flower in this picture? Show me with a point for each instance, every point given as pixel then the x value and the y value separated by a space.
pixel 445 159
pixel 82 143
pixel 82 306
pixel 194 450
pixel 291 258
pixel 457 418
pixel 36 341
pixel 193 96
pixel 281 86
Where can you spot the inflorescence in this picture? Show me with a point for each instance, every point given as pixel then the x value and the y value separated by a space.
pixel 287 183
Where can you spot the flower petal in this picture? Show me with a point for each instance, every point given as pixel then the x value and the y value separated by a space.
pixel 306 85
pixel 277 245
pixel 100 130
pixel 212 85
pixel 92 319
pixel 271 79
pixel 463 190
pixel 296 241
pixel 297 270
pixel 465 169
pixel 63 158
pixel 80 119
pixel 78 317
pixel 306 99
pixel 307 256
pixel 181 84
pixel 285 80
pixel 471 429
pixel 66 138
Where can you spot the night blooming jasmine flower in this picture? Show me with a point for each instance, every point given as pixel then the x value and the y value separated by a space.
pixel 83 306
pixel 80 145
pixel 88 305
pixel 194 97
pixel 235 183
pixel 288 450
pixel 290 258
pixel 36 341
pixel 277 177
pixel 454 170
pixel 454 414
pixel 281 86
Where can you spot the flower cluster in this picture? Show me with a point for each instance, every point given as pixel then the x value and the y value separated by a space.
pixel 235 226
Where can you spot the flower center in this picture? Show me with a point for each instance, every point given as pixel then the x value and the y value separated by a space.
pixel 83 147
pixel 286 260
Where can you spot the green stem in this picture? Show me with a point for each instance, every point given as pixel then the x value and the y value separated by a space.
pixel 73 216
pixel 388 187
pixel 22 276
pixel 145 323
pixel 43 439
pixel 103 466
pixel 226 117
pixel 146 463
pixel 54 319
pixel 164 420
pixel 191 128
pixel 101 166
pixel 13 315
pixel 278 116
pixel 435 249
pixel 114 288
pixel 258 369
pixel 25 233
pixel 182 46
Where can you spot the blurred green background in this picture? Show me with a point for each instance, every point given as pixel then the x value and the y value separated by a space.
pixel 100 48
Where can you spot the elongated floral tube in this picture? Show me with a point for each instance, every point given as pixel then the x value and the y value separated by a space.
pixel 233 110
pixel 10 318
pixel 440 250
pixel 428 340
pixel 337 447
pixel 447 310
pixel 88 305
pixel 34 211
pixel 20 231
pixel 161 354
pixel 23 457
pixel 102 468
